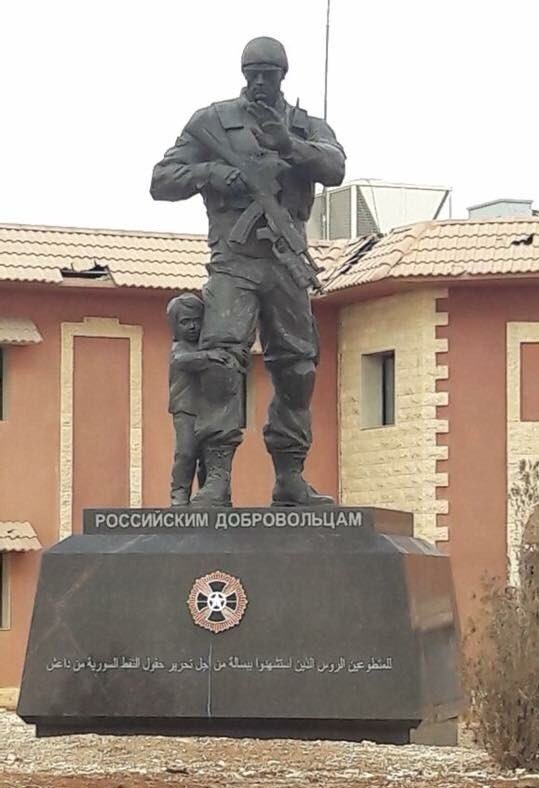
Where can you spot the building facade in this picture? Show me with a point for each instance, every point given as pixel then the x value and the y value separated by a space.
pixel 426 396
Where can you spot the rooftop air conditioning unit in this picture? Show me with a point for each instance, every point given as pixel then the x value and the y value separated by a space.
pixel 369 206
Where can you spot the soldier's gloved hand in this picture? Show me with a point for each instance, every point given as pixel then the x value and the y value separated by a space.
pixel 273 133
pixel 225 179
pixel 273 166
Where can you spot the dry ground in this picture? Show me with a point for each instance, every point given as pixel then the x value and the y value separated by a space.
pixel 158 762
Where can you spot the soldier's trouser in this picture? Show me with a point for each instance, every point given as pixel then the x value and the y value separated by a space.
pixel 186 452
pixel 234 306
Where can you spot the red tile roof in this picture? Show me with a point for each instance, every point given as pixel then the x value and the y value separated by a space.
pixel 452 248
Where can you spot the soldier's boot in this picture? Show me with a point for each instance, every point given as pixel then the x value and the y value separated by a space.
pixel 291 489
pixel 180 496
pixel 216 489
pixel 182 479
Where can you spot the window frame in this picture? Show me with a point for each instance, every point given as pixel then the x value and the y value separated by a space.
pixel 378 390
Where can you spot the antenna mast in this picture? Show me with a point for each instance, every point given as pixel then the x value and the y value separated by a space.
pixel 325 194
pixel 326 63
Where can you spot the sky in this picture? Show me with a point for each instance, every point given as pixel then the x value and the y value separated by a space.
pixel 442 92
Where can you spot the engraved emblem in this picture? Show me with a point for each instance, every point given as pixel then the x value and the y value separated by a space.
pixel 217 601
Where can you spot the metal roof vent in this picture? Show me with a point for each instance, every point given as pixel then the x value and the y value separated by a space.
pixel 501 209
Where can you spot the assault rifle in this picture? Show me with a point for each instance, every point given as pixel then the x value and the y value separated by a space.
pixel 258 173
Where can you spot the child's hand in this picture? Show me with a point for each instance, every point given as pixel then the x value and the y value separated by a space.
pixel 222 356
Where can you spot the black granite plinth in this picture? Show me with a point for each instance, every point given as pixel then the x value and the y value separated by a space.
pixel 347 632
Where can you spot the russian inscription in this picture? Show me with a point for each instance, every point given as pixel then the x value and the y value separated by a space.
pixel 149 520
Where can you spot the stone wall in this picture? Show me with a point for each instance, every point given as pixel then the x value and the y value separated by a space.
pixel 395 466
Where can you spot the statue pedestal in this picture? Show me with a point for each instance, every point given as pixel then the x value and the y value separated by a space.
pixel 242 622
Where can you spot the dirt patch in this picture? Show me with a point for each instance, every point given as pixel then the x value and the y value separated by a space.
pixel 159 762
pixel 138 781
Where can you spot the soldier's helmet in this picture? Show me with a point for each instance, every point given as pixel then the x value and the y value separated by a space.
pixel 264 51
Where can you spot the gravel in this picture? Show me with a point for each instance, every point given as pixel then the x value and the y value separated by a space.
pixel 129 762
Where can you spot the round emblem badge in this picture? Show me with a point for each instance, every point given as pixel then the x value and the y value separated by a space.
pixel 217 601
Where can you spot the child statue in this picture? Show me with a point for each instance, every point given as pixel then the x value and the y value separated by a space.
pixel 185 313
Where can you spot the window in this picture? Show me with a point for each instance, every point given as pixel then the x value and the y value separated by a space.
pixel 378 389
pixel 4 592
pixel 529 370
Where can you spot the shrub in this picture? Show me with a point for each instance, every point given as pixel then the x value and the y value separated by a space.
pixel 501 670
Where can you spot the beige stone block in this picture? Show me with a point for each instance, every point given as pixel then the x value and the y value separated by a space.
pixel 441 319
pixel 9 697
pixel 441 426
pixel 441 452
pixel 441 506
pixel 442 372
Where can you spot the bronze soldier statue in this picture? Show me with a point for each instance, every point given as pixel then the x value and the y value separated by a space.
pixel 260 270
